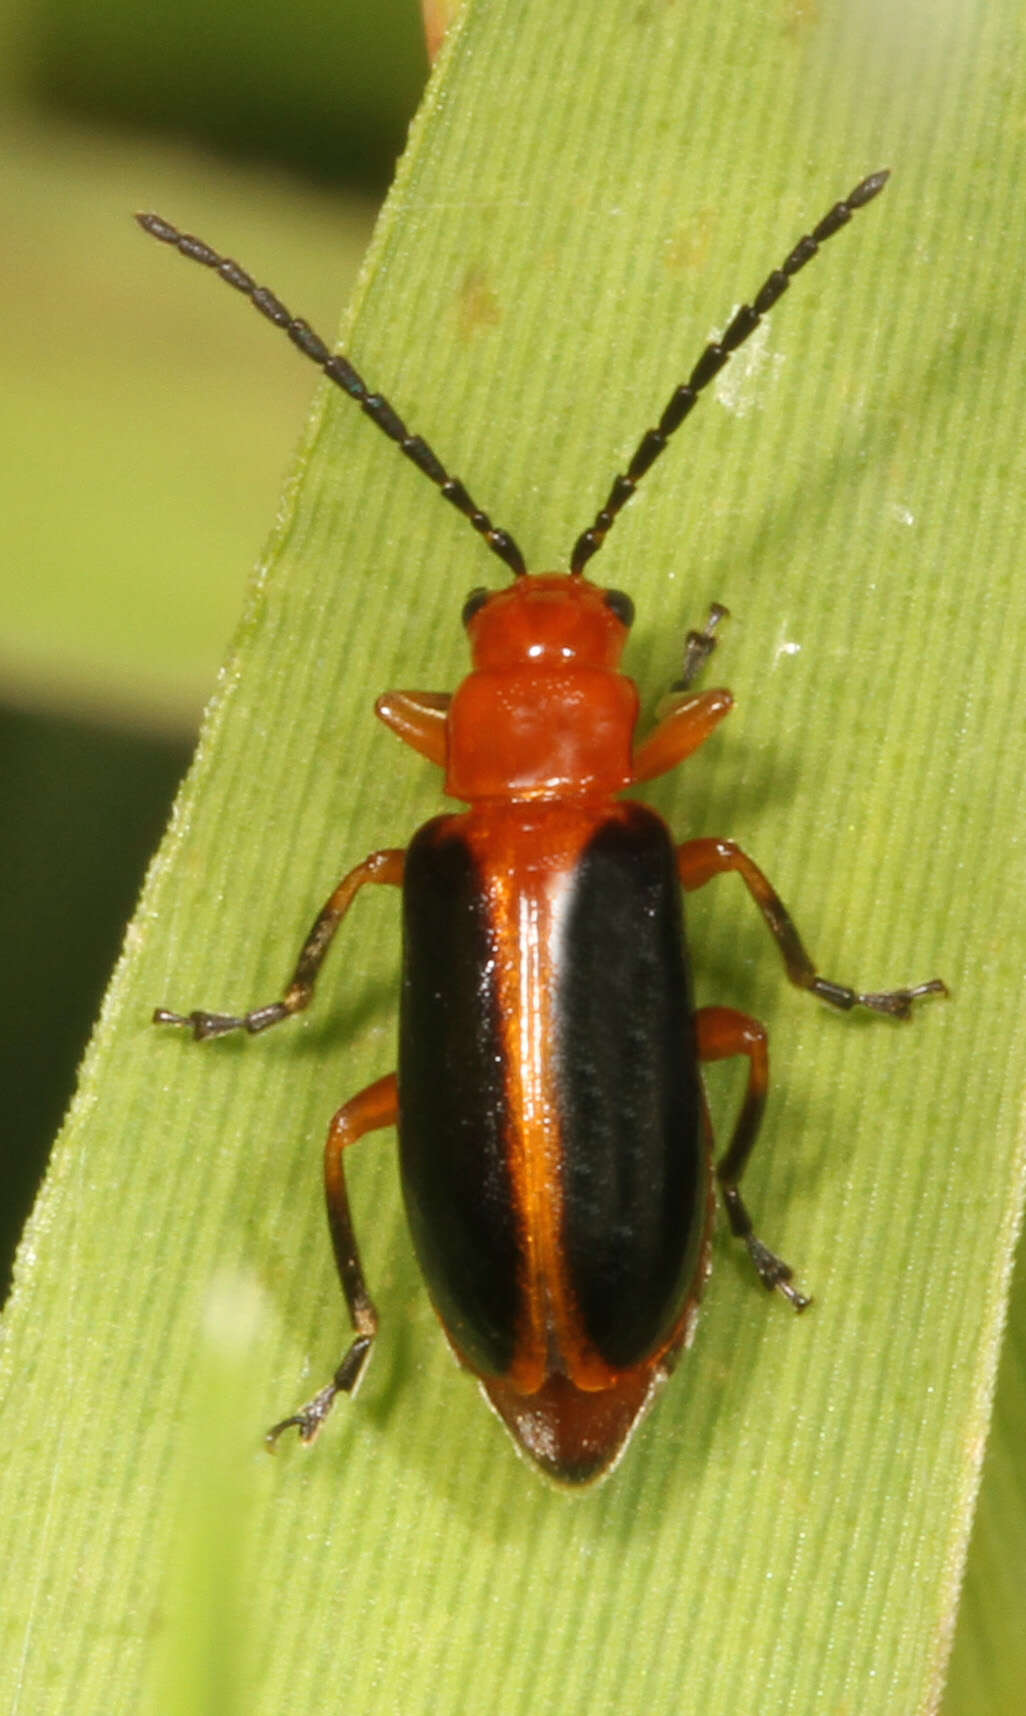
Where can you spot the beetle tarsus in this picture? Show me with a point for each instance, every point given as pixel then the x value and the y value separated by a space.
pixel 204 1025
pixel 698 647
pixel 896 1003
pixel 309 1419
pixel 774 1273
pixel 200 1024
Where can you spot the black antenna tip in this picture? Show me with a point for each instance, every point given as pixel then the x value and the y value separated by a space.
pixel 157 228
pixel 868 189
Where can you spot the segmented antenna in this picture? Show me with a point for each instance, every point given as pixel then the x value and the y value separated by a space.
pixel 339 370
pixel 712 360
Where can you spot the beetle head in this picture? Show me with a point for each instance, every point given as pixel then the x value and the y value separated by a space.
pixel 548 619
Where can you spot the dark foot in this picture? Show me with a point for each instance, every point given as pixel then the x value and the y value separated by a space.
pixel 698 647
pixel 309 1419
pixel 774 1273
pixel 895 1002
pixel 217 1024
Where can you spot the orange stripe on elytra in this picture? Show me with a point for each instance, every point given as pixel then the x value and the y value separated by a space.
pixel 527 856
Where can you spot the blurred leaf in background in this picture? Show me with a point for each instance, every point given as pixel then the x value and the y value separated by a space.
pixel 140 441
pixel 324 87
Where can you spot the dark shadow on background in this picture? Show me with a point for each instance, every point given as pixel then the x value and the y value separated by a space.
pixel 325 90
pixel 81 810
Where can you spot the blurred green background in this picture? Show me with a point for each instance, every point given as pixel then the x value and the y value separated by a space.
pixel 145 423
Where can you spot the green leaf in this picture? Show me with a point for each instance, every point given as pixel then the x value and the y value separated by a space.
pixel 122 393
pixel 988 1663
pixel 587 194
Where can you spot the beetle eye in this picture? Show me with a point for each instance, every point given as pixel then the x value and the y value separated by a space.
pixel 621 605
pixel 474 602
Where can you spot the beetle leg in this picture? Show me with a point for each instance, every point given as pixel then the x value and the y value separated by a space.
pixel 375 1107
pixel 698 861
pixel 420 718
pixel 685 723
pixel 721 1033
pixel 384 866
pixel 698 647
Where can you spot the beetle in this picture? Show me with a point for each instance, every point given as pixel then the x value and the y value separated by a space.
pixel 556 1152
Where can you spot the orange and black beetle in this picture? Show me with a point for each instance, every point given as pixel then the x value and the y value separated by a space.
pixel 556 1152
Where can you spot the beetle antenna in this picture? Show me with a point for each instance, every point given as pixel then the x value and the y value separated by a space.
pixel 713 359
pixel 339 370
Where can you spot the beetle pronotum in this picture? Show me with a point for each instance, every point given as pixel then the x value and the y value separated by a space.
pixel 555 1146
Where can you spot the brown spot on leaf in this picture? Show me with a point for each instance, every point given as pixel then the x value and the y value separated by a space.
pixel 799 16
pixel 478 306
pixel 687 248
